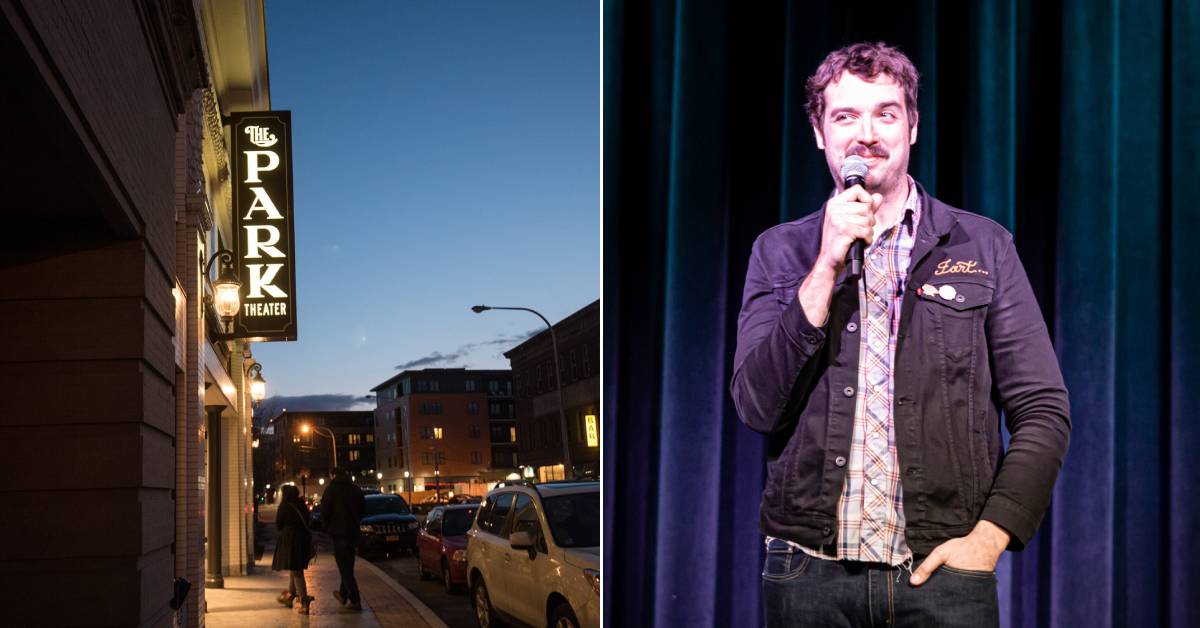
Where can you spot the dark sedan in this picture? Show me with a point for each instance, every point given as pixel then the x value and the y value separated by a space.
pixel 442 544
pixel 387 526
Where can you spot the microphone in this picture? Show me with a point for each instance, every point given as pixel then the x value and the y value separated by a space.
pixel 854 172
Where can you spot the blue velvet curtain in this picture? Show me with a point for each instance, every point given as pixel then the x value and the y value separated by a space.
pixel 1075 125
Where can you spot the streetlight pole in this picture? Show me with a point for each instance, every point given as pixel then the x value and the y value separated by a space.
pixel 568 471
pixel 408 484
pixel 328 433
pixel 437 477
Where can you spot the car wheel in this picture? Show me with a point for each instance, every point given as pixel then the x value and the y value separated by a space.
pixel 485 616
pixel 425 575
pixel 446 576
pixel 563 617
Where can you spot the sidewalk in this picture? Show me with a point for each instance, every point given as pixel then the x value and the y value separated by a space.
pixel 250 600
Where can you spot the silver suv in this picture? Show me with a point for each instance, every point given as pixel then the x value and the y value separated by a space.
pixel 533 556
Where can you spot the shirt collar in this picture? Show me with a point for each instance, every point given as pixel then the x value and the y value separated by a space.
pixel 911 216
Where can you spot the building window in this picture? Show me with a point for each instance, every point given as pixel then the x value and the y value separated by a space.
pixel 512 434
pixel 426 458
pixel 371 437
pixel 354 439
pixel 494 409
pixel 427 432
pixel 355 454
pixel 587 361
pixel 476 458
pixel 474 431
pixel 422 386
pixel 472 407
pixel 433 407
pixel 493 387
pixel 574 370
pixel 434 386
pixel 470 385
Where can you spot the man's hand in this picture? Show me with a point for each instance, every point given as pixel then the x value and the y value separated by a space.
pixel 849 216
pixel 977 551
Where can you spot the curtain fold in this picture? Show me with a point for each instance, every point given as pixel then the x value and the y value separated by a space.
pixel 1074 125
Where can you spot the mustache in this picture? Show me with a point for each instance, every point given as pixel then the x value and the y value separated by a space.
pixel 868 151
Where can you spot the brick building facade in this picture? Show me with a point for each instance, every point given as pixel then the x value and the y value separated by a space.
pixel 537 402
pixel 304 442
pixel 126 423
pixel 476 444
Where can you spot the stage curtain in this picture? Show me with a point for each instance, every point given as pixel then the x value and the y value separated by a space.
pixel 1074 125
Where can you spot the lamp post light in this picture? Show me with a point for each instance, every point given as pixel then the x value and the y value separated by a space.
pixel 437 476
pixel 258 385
pixel 226 288
pixel 562 413
pixel 327 433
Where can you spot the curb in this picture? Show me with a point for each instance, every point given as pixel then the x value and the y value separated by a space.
pixel 424 611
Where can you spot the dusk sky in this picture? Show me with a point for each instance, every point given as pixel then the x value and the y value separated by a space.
pixel 446 154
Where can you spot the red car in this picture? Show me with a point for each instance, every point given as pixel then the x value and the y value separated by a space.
pixel 442 544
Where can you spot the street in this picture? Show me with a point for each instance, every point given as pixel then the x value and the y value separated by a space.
pixel 452 608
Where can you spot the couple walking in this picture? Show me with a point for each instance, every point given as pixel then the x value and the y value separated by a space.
pixel 342 507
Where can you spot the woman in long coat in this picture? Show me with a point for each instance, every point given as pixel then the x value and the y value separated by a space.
pixel 294 548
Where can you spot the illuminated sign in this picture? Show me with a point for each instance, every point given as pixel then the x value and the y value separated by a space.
pixel 593 432
pixel 264 232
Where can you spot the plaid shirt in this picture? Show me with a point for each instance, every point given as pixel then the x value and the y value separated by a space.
pixel 871 510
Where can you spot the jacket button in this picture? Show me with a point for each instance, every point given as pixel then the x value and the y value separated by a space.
pixel 848 391
pixel 840 461
pixel 852 327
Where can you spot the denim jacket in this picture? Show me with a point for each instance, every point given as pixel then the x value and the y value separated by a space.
pixel 963 357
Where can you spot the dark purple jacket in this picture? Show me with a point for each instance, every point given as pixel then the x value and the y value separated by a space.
pixel 959 363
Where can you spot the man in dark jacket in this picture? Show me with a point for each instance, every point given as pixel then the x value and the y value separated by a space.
pixel 342 508
pixel 882 394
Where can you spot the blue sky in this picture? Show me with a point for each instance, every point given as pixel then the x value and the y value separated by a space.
pixel 445 154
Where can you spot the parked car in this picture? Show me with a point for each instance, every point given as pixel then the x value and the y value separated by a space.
pixel 314 518
pixel 533 555
pixel 387 526
pixel 442 544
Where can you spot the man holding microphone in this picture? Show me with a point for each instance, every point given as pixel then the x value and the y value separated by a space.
pixel 882 392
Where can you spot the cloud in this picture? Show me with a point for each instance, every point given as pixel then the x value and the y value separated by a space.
pixel 272 406
pixel 439 358
pixel 431 359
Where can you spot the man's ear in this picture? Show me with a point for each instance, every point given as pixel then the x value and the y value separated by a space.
pixel 912 133
pixel 819 137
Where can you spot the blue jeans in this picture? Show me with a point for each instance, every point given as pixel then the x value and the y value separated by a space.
pixel 799 590
pixel 343 554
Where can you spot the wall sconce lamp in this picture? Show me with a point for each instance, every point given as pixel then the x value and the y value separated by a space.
pixel 258 385
pixel 226 288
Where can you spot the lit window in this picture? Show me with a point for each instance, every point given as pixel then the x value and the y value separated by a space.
pixel 512 434
pixel 354 439
pixel 354 454
pixel 370 438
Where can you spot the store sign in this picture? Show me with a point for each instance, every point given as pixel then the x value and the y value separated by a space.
pixel 264 233
pixel 593 432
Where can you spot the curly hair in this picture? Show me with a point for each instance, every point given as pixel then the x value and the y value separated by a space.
pixel 866 61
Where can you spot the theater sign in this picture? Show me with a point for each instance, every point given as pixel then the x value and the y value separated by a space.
pixel 263 224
